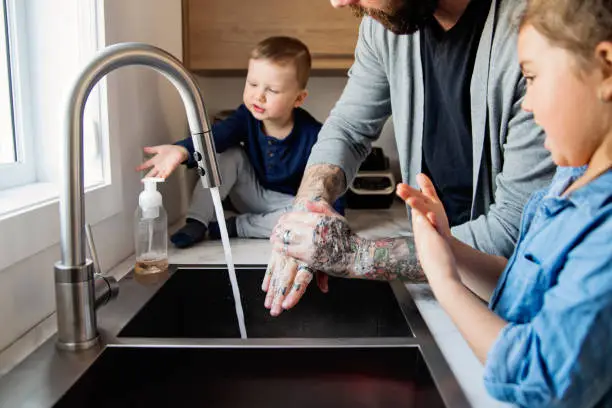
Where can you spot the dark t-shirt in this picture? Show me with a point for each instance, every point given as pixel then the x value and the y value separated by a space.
pixel 278 164
pixel 448 62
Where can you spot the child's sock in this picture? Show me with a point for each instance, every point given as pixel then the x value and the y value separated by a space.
pixel 215 233
pixel 192 233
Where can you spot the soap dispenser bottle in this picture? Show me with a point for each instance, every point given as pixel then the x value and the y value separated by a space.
pixel 151 230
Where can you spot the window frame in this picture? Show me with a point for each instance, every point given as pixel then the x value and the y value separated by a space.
pixel 36 204
pixel 23 170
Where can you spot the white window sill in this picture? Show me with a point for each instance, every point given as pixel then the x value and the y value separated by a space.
pixel 29 217
pixel 26 198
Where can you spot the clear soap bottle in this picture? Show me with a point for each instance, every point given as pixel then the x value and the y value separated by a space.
pixel 151 230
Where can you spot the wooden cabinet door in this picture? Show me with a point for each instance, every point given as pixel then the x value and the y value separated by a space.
pixel 218 35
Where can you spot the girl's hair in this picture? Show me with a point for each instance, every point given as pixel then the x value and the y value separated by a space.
pixel 575 25
pixel 284 50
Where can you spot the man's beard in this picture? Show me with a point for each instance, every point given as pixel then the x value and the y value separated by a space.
pixel 411 16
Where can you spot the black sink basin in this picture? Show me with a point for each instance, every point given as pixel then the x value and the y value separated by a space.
pixel 173 341
pixel 198 303
pixel 255 377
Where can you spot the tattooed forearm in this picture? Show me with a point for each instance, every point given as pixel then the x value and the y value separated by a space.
pixel 324 181
pixel 340 252
pixel 387 259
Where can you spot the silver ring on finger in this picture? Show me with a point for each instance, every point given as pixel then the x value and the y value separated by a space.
pixel 306 268
pixel 287 237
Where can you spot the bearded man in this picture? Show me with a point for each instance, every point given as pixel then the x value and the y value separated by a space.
pixel 447 71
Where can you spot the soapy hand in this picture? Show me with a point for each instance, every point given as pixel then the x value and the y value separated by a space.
pixel 286 278
pixel 319 237
pixel 165 160
pixel 286 281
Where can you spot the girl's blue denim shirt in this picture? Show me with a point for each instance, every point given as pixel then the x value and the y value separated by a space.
pixel 556 294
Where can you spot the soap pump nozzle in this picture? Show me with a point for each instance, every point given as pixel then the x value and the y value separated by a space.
pixel 150 200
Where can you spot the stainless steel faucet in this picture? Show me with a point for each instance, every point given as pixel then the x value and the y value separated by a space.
pixel 77 289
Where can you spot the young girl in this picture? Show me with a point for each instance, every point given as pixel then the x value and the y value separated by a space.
pixel 546 338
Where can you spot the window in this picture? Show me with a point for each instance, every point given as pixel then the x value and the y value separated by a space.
pixel 43 48
pixel 40 58
pixel 7 136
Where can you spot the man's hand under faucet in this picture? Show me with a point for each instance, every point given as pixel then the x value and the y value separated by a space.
pixel 311 238
pixel 166 158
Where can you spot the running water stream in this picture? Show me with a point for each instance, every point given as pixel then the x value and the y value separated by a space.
pixel 214 191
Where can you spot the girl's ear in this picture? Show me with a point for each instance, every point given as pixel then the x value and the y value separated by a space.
pixel 300 98
pixel 603 56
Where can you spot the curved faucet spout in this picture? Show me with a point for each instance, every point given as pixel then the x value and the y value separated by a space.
pixel 75 294
pixel 110 59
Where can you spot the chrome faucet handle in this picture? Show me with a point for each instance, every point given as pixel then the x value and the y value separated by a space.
pixel 92 249
pixel 106 287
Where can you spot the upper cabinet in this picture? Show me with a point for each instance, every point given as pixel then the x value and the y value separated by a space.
pixel 218 35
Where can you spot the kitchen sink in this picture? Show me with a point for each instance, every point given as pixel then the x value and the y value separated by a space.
pixel 256 377
pixel 198 303
pixel 173 341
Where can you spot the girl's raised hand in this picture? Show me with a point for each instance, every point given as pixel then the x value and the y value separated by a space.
pixel 427 202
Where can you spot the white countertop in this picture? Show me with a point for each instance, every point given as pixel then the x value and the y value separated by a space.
pixel 371 224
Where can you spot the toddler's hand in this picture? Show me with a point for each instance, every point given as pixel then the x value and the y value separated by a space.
pixel 165 160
